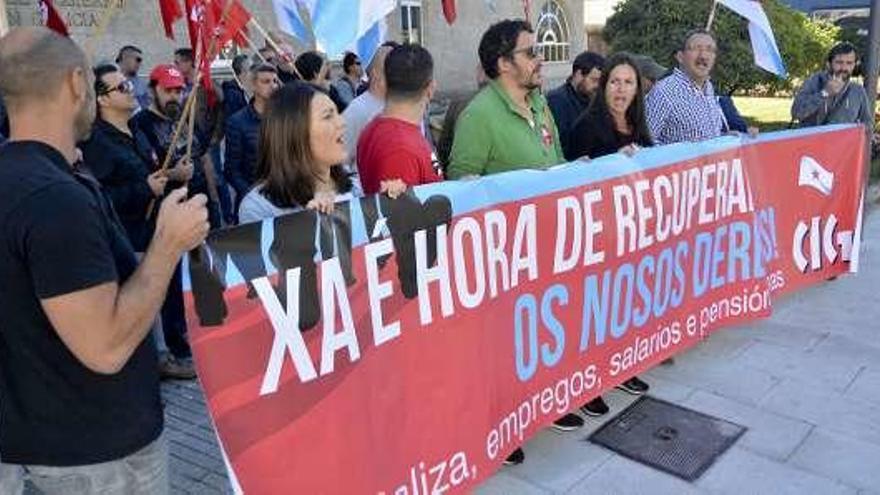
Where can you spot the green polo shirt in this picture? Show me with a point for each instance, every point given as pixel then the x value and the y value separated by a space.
pixel 492 136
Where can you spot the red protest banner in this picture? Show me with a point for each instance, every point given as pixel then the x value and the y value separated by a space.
pixel 409 345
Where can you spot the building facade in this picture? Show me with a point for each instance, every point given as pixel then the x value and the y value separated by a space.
pixel 559 25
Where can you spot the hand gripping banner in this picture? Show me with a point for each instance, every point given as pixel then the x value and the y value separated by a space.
pixel 408 346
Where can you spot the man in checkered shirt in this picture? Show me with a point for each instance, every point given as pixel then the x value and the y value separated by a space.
pixel 682 107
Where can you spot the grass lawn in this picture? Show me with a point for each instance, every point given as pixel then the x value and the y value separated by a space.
pixel 771 114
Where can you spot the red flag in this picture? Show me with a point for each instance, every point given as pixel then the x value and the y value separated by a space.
pixel 449 11
pixel 202 16
pixel 51 19
pixel 235 24
pixel 171 13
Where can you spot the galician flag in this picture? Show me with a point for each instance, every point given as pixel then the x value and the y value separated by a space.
pixel 766 52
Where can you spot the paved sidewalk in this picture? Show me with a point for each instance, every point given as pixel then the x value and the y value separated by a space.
pixel 805 382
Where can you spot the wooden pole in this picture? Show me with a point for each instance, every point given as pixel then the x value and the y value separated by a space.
pixel 4 19
pixel 274 45
pixel 712 15
pixel 251 44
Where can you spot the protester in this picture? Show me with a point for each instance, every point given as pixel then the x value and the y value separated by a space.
pixel 830 96
pixel 508 125
pixel 185 63
pixel 301 149
pixel 81 410
pixel 129 61
pixel 682 106
pixel 367 106
pixel 615 122
pixel 243 131
pixel 453 112
pixel 236 90
pixel 392 146
pixel 649 71
pixel 346 86
pixel 152 130
pixel 568 102
pixel 313 68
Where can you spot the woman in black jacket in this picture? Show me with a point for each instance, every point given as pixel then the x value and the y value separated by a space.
pixel 615 120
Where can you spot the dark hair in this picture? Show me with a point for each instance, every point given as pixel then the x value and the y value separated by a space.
pixel 842 48
pixel 127 49
pixel 101 87
pixel 409 69
pixel 285 165
pixel 499 41
pixel 694 32
pixel 349 60
pixel 586 62
pixel 390 44
pixel 184 53
pixel 265 67
pixel 635 114
pixel 309 65
pixel 238 64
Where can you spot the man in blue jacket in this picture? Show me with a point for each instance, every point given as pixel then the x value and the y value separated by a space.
pixel 569 100
pixel 243 132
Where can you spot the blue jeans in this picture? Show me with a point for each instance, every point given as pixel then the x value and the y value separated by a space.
pixel 143 473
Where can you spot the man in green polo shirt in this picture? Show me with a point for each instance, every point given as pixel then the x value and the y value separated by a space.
pixel 508 125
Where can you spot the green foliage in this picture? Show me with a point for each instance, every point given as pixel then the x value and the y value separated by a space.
pixel 656 28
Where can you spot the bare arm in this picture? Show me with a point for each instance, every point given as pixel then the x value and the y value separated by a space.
pixel 103 325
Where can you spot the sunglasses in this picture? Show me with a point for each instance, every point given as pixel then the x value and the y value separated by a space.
pixel 530 52
pixel 125 87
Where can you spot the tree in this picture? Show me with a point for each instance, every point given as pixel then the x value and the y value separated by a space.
pixel 656 28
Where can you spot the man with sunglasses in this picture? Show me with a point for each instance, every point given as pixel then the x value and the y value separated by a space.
pixel 509 126
pixel 346 85
pixel 129 61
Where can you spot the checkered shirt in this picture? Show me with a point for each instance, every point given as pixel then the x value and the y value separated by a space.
pixel 679 111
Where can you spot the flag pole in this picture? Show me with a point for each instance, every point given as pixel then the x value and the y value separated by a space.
pixel 274 45
pixel 4 20
pixel 712 12
pixel 100 29
pixel 251 44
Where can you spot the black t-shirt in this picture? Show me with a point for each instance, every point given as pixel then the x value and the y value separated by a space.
pixel 58 235
pixel 593 134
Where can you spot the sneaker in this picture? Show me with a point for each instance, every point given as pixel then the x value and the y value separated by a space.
pixel 634 386
pixel 174 368
pixel 517 457
pixel 596 407
pixel 568 422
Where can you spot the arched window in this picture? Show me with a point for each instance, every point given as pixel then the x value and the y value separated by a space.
pixel 553 33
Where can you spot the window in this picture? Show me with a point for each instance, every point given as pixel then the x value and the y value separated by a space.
pixel 411 21
pixel 553 33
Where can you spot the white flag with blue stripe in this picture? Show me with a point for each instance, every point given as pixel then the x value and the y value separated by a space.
pixel 764 46
pixel 337 25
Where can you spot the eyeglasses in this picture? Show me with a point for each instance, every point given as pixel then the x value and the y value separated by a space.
pixel 531 52
pixel 125 87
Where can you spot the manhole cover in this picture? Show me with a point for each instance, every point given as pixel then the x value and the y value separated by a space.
pixel 668 437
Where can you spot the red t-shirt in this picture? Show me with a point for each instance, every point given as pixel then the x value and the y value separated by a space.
pixel 390 149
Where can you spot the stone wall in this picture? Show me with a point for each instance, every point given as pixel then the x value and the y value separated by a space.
pixel 454 47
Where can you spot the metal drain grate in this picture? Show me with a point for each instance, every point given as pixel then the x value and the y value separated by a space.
pixel 671 438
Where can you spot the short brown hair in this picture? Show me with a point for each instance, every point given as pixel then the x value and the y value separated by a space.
pixel 34 61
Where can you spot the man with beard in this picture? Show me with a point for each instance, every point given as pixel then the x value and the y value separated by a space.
pixel 508 126
pixel 152 130
pixel 568 101
pixel 80 409
pixel 829 97
pixel 682 106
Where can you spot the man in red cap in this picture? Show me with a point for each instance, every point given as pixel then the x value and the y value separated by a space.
pixel 152 130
